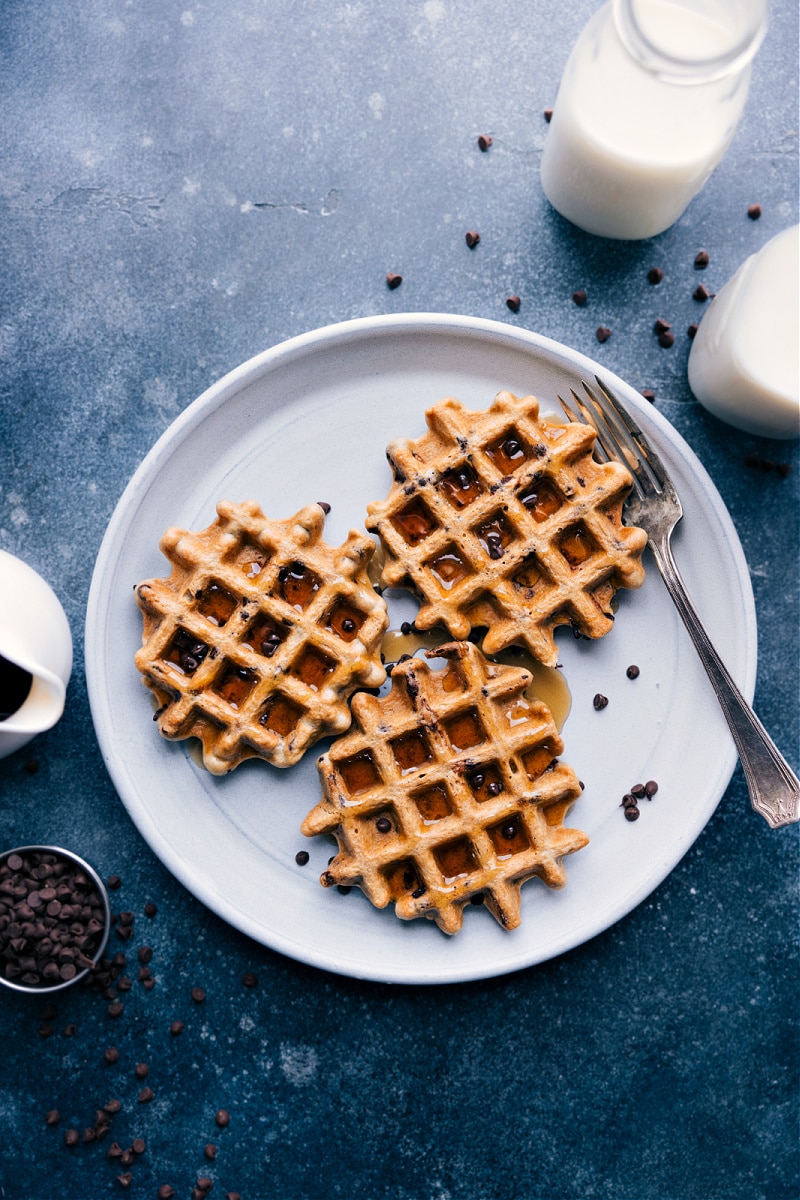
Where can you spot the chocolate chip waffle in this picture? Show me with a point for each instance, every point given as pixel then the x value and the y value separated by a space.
pixel 260 635
pixel 448 791
pixel 502 519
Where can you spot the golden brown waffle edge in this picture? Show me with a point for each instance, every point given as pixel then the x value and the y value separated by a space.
pixel 260 635
pixel 498 518
pixel 448 791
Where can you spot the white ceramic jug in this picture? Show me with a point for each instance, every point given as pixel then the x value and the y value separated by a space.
pixel 35 654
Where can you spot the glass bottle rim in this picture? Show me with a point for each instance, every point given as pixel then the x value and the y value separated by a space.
pixel 676 69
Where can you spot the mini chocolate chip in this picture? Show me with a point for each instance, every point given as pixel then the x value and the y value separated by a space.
pixel 513 302
pixel 754 212
pixel 146 1095
pixel 600 701
pixel 650 788
pixel 52 1117
pixel 393 280
pixel 113 883
pixel 150 909
pixel 111 1054
pixel 509 831
pixel 165 1192
pixel 649 394
pixel 348 625
pixel 344 888
pixel 631 813
pixel 579 297
pixel 210 1151
pixel 638 790
pixel 223 1118
pixel 484 141
pixel 69 1030
pixel 301 858
pixel 701 260
pixel 661 326
pixel 417 892
pixel 494 789
pixel 472 237
pixel 112 1107
pixel 125 1179
pixel 249 979
pixel 141 1070
pixel 701 292
pixel 692 330
pixel 71 1137
pixel 145 954
pixel 383 825
pixel 548 115
pixel 138 1145
pixel 666 339
pixel 602 333
pixel 655 275
pixel 114 1151
pixel 176 1028
pixel 204 1184
pixel 628 800
pixel 198 995
pixel 632 671
pixel 115 1009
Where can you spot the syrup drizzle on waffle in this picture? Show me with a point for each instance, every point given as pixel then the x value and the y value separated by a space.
pixel 448 790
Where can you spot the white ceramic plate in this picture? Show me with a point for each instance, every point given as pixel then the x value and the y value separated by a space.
pixel 309 420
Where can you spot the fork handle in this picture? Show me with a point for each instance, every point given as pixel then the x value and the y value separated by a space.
pixel 773 786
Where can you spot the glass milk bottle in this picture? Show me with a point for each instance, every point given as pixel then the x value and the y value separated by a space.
pixel 646 108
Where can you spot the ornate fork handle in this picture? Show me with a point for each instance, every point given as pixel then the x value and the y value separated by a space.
pixel 773 786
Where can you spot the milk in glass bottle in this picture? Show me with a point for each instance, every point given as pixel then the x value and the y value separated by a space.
pixel 646 108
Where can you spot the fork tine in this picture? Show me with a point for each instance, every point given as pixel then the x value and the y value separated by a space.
pixel 584 416
pixel 620 443
pixel 647 455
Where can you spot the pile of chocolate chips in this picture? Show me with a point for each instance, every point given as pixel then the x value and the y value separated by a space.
pixel 52 919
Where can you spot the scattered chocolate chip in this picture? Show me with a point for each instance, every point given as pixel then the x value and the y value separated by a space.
pixel 632 813
pixel 649 394
pixel 323 504
pixel 655 275
pixel 638 791
pixel 650 788
pixel 71 1137
pixel 393 280
pixel 145 954
pixel 301 858
pixel 600 701
pixel 701 260
pixel 223 1118
pixel 52 1117
pixel 701 292
pixel 112 1107
pixel 150 909
pixel 602 333
pixel 472 237
pixel 692 330
pixel 344 889
pixel 210 1151
pixel 754 212
pixel 113 883
pixel 666 339
pixel 69 1030
pixel 176 1028
pixel 31 766
pixel 249 979
pixel 114 1151
pixel 115 1009
pixel 143 974
pixel 141 1070
pixel 165 1192
pixel 766 464
pixel 138 1145
pixel 198 995
pixel 579 298
pixel 125 1179
pixel 632 671
pixel 484 141
pixel 204 1184
pixel 383 825
pixel 548 115
pixel 661 326
pixel 146 1095
pixel 148 984
pixel 513 302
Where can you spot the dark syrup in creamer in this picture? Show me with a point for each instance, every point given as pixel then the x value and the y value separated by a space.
pixel 15 685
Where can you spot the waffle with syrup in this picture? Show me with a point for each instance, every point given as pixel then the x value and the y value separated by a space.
pixel 260 635
pixel 447 791
pixel 501 519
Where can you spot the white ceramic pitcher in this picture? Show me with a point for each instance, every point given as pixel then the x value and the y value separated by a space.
pixel 35 641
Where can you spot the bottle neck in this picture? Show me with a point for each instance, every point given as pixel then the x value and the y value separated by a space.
pixel 691 41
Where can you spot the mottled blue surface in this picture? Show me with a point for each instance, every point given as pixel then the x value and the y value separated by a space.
pixel 180 189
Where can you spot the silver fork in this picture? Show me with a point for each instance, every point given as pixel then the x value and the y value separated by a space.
pixel 654 506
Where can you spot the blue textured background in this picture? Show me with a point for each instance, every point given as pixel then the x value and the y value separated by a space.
pixel 180 188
